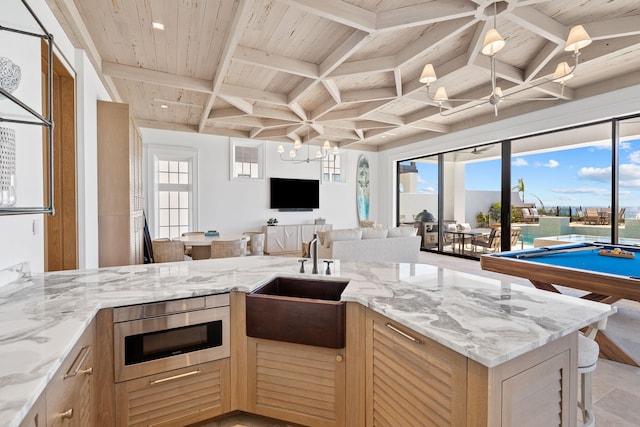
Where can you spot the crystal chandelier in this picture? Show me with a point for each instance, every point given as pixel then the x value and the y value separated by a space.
pixel 294 153
pixel 493 43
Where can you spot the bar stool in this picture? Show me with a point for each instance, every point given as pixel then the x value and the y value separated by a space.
pixel 588 351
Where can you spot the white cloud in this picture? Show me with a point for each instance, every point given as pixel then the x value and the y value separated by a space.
pixel 519 162
pixel 582 190
pixel 551 164
pixel 595 174
pixel 635 157
pixel 428 189
pixel 629 175
pixel 568 198
pixel 421 180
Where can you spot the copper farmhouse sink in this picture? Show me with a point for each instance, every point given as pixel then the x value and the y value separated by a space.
pixel 302 311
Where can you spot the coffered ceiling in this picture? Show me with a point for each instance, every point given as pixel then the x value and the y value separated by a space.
pixel 346 71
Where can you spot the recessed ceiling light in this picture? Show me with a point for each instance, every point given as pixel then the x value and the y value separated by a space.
pixel 164 106
pixel 157 25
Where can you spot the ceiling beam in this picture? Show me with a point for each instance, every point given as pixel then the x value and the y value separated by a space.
pixel 369 95
pixel 253 94
pixel 617 27
pixel 239 103
pixel 423 14
pixel 212 130
pixel 275 62
pixel 154 124
pixel 128 72
pixel 275 113
pixel 539 23
pixel 338 11
pixel 365 66
pixel 333 89
pixel 226 112
pixel 238 24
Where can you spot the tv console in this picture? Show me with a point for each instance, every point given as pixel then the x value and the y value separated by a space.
pixel 280 239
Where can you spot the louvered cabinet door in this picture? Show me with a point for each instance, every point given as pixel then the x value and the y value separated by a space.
pixel 296 383
pixel 175 398
pixel 411 380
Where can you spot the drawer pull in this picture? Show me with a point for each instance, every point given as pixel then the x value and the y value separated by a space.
pixel 407 336
pixel 78 362
pixel 88 371
pixel 67 414
pixel 176 377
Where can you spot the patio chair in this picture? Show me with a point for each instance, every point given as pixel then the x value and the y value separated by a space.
pixel 605 216
pixel 592 216
pixel 515 236
pixel 621 215
pixel 488 243
pixel 530 215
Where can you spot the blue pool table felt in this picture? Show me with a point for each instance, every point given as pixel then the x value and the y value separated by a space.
pixel 586 260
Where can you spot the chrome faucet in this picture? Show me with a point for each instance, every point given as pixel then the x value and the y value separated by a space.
pixel 313 253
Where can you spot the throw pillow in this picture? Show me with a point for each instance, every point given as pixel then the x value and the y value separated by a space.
pixel 402 232
pixel 340 235
pixel 464 227
pixel 374 233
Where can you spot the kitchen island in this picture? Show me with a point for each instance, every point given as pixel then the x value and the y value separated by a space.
pixel 488 322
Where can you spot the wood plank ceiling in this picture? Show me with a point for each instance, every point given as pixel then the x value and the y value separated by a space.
pixel 346 71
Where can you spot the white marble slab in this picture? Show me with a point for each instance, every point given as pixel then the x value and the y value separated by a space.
pixel 484 319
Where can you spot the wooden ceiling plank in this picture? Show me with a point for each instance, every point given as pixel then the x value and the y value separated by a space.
pixel 475 46
pixel 365 66
pixel 274 113
pixel 344 124
pixel 370 107
pixel 299 91
pixel 240 19
pixel 539 23
pixel 332 133
pixel 253 94
pixel 338 11
pixel 333 89
pixel 274 123
pixel 226 112
pixel 239 120
pixel 503 70
pixel 275 62
pixel 386 118
pixel 432 40
pixel 155 77
pixel 318 128
pixel 351 113
pixel 423 14
pixel 618 27
pixel 369 95
pixel 370 124
pixel 430 126
pixel 239 103
pixel 344 51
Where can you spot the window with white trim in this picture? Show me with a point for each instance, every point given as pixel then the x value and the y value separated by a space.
pixel 171 192
pixel 246 159
pixel 333 168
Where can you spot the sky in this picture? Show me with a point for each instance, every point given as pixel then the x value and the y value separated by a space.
pixel 571 177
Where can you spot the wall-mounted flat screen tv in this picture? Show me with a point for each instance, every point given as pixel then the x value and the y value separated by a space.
pixel 288 194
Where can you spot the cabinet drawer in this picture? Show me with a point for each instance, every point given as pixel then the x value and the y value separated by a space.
pixel 69 395
pixel 175 398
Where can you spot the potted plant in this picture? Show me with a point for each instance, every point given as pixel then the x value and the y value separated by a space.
pixel 482 220
pixel 272 221
pixel 494 212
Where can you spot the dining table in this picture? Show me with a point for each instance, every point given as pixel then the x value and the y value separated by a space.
pixel 201 244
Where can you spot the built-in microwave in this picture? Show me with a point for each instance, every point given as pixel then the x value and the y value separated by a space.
pixel 159 337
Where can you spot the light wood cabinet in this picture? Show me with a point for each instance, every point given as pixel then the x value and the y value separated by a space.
pixel 37 415
pixel 69 395
pixel 289 238
pixel 175 398
pixel 120 199
pixel 411 380
pixel 296 383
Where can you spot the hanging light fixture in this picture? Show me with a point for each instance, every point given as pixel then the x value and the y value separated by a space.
pixel 293 157
pixel 493 43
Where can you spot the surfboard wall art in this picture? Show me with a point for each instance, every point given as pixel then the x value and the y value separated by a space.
pixel 362 188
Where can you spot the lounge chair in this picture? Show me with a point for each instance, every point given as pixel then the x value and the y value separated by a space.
pixel 592 216
pixel 530 215
pixel 488 243
pixel 621 215
pixel 515 236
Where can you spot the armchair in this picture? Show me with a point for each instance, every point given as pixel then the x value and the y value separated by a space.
pixel 488 243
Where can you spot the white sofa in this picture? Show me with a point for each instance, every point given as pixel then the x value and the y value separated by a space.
pixel 398 244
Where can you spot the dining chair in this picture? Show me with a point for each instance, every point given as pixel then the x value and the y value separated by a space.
pixel 165 250
pixel 228 248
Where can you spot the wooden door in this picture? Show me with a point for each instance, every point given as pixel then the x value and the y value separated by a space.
pixel 60 230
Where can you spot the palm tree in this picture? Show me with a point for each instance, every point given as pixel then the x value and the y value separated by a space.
pixel 520 187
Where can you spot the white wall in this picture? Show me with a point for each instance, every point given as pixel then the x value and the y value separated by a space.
pixel 613 104
pixel 235 206
pixel 21 236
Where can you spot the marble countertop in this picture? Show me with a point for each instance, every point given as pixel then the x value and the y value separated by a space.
pixel 487 320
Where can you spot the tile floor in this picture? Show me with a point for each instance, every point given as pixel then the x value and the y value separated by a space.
pixel 616 387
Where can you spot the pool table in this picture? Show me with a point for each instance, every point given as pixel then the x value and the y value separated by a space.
pixel 606 277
